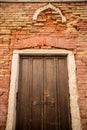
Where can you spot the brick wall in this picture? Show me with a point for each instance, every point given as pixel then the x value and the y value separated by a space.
pixel 17 31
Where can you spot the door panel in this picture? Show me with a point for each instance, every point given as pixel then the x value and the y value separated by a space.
pixel 36 90
pixel 63 94
pixel 49 93
pixel 22 97
pixel 43 95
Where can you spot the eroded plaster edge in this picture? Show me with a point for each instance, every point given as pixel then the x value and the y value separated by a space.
pixel 75 115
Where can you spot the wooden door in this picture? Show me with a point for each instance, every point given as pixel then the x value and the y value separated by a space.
pixel 43 94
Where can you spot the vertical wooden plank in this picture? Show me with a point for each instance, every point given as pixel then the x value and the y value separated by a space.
pixel 63 94
pixel 22 97
pixel 36 92
pixel 49 94
pixel 56 97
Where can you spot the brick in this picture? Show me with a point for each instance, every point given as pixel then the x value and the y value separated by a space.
pixel 18 31
pixel 39 24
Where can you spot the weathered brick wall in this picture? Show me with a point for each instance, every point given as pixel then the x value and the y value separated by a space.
pixel 17 31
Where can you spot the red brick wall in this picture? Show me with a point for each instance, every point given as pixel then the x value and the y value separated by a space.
pixel 17 31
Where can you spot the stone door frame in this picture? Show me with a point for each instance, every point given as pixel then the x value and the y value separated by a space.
pixel 74 107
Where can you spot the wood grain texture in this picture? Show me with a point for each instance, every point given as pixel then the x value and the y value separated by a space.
pixel 43 95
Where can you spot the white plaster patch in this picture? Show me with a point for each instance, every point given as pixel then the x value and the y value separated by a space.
pixel 75 115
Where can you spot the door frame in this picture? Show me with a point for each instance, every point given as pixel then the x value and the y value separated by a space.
pixel 74 107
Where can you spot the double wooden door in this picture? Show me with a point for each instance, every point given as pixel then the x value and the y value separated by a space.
pixel 43 94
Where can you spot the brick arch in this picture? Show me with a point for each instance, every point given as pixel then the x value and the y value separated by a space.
pixel 49 5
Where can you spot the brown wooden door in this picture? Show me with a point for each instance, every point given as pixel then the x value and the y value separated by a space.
pixel 43 95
